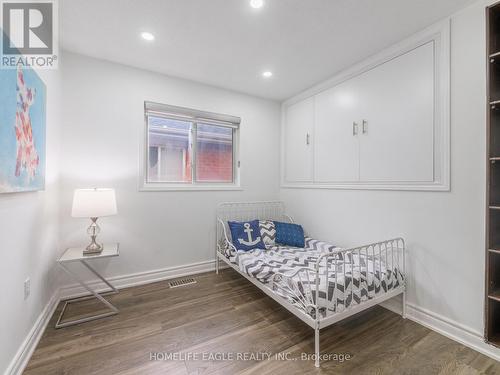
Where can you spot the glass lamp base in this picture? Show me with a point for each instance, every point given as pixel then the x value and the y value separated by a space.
pixel 93 248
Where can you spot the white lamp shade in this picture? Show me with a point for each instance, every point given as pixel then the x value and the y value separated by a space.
pixel 94 203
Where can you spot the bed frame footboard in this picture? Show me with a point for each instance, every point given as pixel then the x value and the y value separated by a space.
pixel 377 268
pixel 385 260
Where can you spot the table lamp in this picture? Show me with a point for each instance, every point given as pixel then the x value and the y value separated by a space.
pixel 93 204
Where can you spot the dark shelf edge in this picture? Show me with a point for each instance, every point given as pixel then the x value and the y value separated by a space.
pixel 493 340
pixel 494 296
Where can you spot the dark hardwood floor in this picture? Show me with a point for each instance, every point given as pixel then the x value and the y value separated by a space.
pixel 226 315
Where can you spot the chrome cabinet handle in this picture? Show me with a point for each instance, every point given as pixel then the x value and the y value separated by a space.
pixel 364 126
pixel 308 139
pixel 354 128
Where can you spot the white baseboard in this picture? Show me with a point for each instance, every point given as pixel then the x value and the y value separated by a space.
pixel 28 346
pixel 445 326
pixel 140 278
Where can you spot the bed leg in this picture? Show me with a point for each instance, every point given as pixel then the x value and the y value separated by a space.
pixel 403 312
pixel 216 264
pixel 316 346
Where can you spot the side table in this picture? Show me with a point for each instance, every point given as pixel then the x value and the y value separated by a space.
pixel 75 255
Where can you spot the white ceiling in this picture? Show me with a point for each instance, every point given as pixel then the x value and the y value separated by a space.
pixel 228 44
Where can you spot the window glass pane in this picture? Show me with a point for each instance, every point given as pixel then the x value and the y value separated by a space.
pixel 214 153
pixel 169 156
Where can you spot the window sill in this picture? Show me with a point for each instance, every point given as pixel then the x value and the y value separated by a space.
pixel 180 187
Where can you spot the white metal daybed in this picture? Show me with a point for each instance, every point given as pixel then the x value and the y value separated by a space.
pixel 327 284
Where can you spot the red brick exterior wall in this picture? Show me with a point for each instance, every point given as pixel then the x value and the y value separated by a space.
pixel 215 163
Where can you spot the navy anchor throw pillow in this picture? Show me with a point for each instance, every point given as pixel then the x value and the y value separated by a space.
pixel 246 235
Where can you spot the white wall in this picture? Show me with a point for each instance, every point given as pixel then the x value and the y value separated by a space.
pixel 103 127
pixel 29 233
pixel 445 231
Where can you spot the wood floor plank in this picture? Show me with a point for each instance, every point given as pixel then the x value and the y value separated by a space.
pixel 226 315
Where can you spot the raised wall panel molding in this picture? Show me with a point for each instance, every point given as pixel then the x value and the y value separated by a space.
pixel 346 160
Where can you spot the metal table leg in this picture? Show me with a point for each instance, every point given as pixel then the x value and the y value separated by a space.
pixel 93 294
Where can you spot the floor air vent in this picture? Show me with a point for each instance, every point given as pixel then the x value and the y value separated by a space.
pixel 181 282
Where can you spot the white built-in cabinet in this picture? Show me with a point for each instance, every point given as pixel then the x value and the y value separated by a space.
pixel 385 125
pixel 298 138
pixel 336 140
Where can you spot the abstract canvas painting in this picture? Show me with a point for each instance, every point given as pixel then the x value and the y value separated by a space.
pixel 22 130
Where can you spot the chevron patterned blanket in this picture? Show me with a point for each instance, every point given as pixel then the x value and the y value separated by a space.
pixel 347 279
pixel 263 264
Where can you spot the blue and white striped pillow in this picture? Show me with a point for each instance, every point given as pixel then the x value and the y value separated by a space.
pixel 289 234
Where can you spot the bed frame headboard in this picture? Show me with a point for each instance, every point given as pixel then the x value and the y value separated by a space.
pixel 243 211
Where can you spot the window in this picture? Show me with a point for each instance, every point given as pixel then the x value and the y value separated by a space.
pixel 214 153
pixel 189 149
pixel 169 150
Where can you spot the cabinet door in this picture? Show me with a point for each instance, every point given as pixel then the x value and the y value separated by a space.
pixel 299 122
pixel 336 146
pixel 397 102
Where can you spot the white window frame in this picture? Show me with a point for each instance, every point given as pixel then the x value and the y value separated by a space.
pixel 195 117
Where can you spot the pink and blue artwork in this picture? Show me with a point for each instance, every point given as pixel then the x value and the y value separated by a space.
pixel 22 130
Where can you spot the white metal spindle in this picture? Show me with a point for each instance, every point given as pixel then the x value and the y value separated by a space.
pixel 345 282
pixel 335 289
pixel 359 277
pixel 379 265
pixel 309 288
pixel 392 259
pixel 386 263
pixel 374 270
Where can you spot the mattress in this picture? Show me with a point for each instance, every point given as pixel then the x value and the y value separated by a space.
pixel 352 277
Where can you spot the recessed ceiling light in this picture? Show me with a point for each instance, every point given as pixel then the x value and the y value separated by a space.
pixel 147 36
pixel 256 3
pixel 267 74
